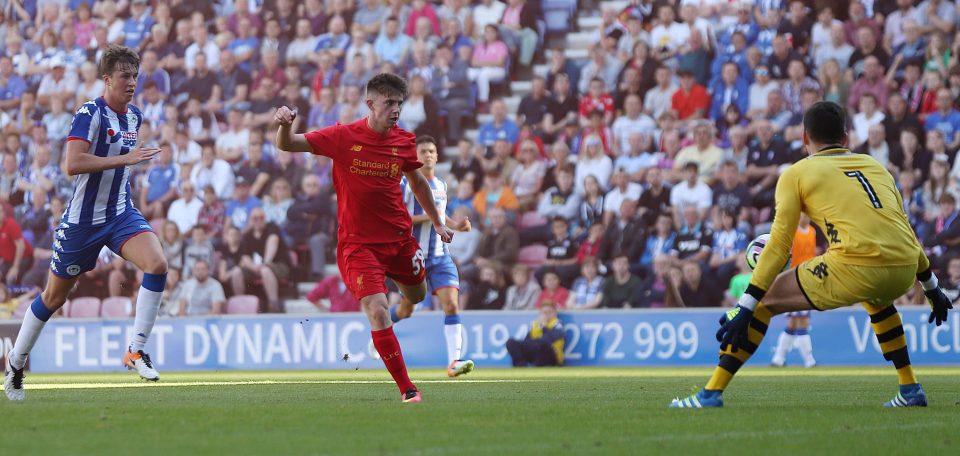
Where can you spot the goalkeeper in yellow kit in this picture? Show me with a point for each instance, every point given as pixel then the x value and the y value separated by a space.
pixel 873 257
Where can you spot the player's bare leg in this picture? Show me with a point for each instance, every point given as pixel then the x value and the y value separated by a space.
pixel 453 332
pixel 144 251
pixel 45 305
pixel 385 341
pixel 785 295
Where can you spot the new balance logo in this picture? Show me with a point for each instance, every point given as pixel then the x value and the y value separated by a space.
pixel 356 148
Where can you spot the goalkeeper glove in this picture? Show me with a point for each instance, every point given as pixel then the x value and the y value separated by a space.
pixel 939 305
pixel 733 328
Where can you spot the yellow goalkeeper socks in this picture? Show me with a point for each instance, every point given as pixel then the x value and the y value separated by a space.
pixel 730 362
pixel 888 327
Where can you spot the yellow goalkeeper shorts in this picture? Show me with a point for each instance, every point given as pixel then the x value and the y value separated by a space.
pixel 828 283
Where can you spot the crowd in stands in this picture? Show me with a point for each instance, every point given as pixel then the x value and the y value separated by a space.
pixel 632 178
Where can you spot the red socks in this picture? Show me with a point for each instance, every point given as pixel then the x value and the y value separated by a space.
pixel 389 349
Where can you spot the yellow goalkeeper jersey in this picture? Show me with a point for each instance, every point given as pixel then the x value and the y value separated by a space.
pixel 855 202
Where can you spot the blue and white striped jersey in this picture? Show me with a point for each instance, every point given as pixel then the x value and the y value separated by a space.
pixel 424 232
pixel 100 196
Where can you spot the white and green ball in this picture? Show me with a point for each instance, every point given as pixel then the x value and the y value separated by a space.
pixel 755 248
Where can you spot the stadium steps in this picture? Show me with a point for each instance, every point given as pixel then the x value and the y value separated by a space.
pixel 304 307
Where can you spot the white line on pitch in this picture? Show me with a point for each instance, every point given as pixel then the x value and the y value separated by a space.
pixel 56 386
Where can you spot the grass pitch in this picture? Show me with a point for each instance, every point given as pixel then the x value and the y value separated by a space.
pixel 490 411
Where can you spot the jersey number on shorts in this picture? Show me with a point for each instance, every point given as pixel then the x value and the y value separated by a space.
pixel 866 187
pixel 417 261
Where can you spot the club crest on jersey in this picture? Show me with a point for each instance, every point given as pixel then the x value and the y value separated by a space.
pixel 73 269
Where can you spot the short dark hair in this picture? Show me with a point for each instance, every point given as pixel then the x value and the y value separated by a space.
pixel 423 139
pixel 387 84
pixel 115 56
pixel 825 122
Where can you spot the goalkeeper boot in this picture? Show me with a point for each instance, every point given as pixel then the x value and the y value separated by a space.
pixel 140 362
pixel 459 367
pixel 703 399
pixel 13 382
pixel 908 396
pixel 412 395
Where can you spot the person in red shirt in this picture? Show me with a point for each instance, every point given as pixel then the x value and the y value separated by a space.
pixel 333 288
pixel 596 100
pixel 374 239
pixel 691 101
pixel 16 254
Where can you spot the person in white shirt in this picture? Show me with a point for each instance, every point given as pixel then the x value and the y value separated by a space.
pixel 232 143
pixel 838 49
pixel 667 37
pixel 185 210
pixel 213 172
pixel 759 90
pixel 633 121
pixel 623 189
pixel 593 162
pixel 300 49
pixel 202 294
pixel 868 116
pixel 486 13
pixel 658 99
pixel 201 43
pixel 691 192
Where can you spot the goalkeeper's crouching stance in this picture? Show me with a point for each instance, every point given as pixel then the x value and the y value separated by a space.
pixel 873 258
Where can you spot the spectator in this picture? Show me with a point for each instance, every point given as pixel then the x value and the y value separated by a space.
pixel 370 18
pixel 309 220
pixel 232 86
pixel 596 99
pixel 838 49
pixel 527 177
pixel 494 194
pixel 691 100
pixel 245 44
pixel 523 293
pixel 499 244
pixel 58 83
pixel 593 162
pixel 489 64
pixel 240 207
pixel 519 29
pixel 659 98
pixel 899 117
pixel 159 187
pixel 451 84
pixel 201 294
pixel 728 247
pixel 621 189
pixel 534 106
pixel 16 254
pixel 622 289
pixel 691 191
pixel 199 248
pixel 946 119
pixel 392 46
pixel 265 257
pixel 945 231
pixel 692 288
pixel 201 45
pixel 279 200
pixel 561 253
pixel 257 170
pixel 866 46
pixel 633 121
pixel 490 292
pixel 487 12
pixel 214 172
pixel 876 145
pixel 872 82
pixel 591 206
pixel 420 111
pixel 585 292
pixel 463 246
pixel 12 85
pixel 562 108
pixel 543 345
pixel 868 116
pixel 500 127
pixel 334 290
pixel 335 42
pixel 693 57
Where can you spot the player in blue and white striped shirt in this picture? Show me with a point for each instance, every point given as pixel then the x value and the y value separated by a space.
pixel 101 148
pixel 443 279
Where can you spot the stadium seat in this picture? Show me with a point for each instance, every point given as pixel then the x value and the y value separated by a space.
pixel 242 305
pixel 116 307
pixel 532 255
pixel 85 308
pixel 532 218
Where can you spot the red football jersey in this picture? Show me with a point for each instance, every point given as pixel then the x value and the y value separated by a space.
pixel 367 168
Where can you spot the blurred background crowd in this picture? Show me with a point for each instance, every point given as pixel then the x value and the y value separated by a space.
pixel 611 154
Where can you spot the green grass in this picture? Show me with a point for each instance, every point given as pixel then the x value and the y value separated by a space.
pixel 523 411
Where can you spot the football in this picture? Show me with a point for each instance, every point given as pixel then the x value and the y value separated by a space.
pixel 755 247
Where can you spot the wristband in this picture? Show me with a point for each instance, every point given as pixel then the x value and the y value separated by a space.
pixel 748 302
pixel 930 283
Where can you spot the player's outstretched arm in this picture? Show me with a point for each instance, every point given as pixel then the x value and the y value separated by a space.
pixel 424 195
pixel 286 139
pixel 81 161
